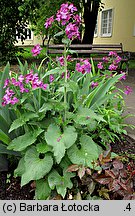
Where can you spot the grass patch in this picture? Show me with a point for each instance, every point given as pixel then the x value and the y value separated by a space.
pixel 26 54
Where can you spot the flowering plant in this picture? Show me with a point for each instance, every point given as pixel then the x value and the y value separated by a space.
pixel 66 116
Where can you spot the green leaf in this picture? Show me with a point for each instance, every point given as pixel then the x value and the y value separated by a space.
pixel 60 182
pixel 101 90
pixel 46 107
pixel 20 168
pixel 5 75
pixel 60 141
pixel 56 70
pixel 43 148
pixel 88 152
pixel 66 41
pixel 4 150
pixel 22 120
pixel 84 116
pixel 22 142
pixel 29 107
pixel 35 168
pixel 4 137
pixel 59 34
pixel 43 190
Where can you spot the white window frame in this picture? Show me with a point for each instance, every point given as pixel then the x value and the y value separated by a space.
pixel 108 34
pixel 28 39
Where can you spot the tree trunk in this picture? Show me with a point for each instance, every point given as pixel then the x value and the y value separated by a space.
pixel 90 19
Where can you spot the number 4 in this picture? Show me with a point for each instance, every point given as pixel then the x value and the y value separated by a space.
pixel 128 207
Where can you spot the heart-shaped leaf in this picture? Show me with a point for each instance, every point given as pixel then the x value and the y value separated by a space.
pixel 35 168
pixel 88 152
pixel 60 182
pixel 60 141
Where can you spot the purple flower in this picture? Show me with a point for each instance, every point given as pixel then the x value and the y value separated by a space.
pixel 128 90
pixel 14 100
pixel 63 75
pixel 123 77
pixel 21 78
pixel 105 59
pixel 117 60
pixel 72 31
pixel 44 86
pixel 113 67
pixel 112 53
pixel 84 66
pixel 51 78
pixel 64 14
pixel 61 60
pixel 49 22
pixel 100 65
pixel 36 50
pixel 6 83
pixel 72 8
pixel 94 84
pixel 8 98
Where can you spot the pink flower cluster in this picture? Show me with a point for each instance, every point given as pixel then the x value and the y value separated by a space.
pixel 94 84
pixel 113 59
pixel 49 22
pixel 61 59
pixel 128 90
pixel 72 31
pixel 24 83
pixel 36 50
pixel 66 16
pixel 9 98
pixel 83 66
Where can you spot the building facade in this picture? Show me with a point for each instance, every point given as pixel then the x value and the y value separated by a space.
pixel 116 24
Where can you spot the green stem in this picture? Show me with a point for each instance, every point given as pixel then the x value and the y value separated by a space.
pixel 42 63
pixel 65 87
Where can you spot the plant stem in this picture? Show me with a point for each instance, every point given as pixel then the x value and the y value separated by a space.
pixel 65 87
pixel 42 63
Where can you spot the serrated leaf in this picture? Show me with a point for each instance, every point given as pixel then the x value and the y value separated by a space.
pixel 60 141
pixel 35 168
pixel 60 182
pixel 86 154
pixel 43 190
pixel 22 120
pixel 21 142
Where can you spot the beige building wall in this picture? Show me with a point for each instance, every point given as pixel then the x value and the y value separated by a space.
pixel 123 24
pixel 30 42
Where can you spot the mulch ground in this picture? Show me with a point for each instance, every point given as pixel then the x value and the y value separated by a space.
pixel 13 191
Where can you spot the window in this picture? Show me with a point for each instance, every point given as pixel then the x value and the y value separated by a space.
pixel 28 34
pixel 106 23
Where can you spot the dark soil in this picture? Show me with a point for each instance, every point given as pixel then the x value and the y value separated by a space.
pixel 12 190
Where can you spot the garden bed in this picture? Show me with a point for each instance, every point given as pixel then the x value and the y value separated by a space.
pixel 10 188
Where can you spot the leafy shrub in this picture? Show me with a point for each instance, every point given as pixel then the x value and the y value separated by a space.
pixel 66 117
